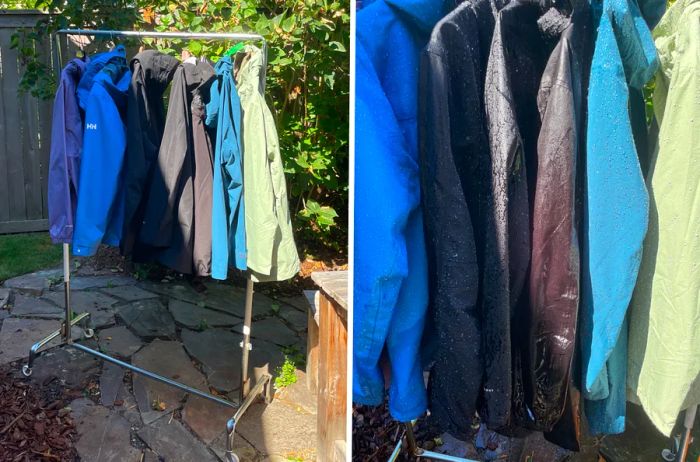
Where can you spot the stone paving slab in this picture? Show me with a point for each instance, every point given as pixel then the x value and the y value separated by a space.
pixel 100 306
pixel 263 426
pixel 4 298
pixel 18 335
pixel 174 443
pixel 98 282
pixel 119 341
pixel 272 330
pixel 129 293
pixel 219 352
pixel 207 419
pixel 298 396
pixel 166 358
pixel 34 283
pixel 24 306
pixel 298 320
pixel 104 436
pixel 72 367
pixel 148 319
pixel 111 383
pixel 198 318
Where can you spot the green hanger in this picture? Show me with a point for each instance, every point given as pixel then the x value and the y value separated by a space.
pixel 234 49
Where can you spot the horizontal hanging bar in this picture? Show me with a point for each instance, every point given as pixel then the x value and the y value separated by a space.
pixel 238 36
pixel 153 376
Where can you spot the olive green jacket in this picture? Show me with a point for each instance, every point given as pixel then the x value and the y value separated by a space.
pixel 272 253
pixel 664 342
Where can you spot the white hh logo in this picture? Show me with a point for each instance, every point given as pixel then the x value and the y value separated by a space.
pixel 91 126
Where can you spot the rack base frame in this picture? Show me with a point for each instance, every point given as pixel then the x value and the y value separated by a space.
pixel 262 389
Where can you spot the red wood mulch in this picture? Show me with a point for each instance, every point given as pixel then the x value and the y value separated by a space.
pixel 32 428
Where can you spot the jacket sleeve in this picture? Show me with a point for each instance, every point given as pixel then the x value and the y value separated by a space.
pixel 60 208
pixel 103 155
pixel 386 193
pixel 219 226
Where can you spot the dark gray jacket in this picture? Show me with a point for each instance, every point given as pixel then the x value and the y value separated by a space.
pixel 455 181
pixel 169 221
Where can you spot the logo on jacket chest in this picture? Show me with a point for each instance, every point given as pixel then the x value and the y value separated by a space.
pixel 91 126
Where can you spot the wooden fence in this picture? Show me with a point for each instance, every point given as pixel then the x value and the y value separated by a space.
pixel 25 136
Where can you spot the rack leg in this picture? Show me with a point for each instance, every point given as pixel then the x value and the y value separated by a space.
pixel 66 326
pixel 687 439
pixel 258 390
pixel 246 345
pixel 34 350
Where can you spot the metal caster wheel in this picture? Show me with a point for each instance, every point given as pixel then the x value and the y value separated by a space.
pixel 88 333
pixel 231 457
pixel 26 370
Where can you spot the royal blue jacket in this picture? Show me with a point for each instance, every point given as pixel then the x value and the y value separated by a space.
pixel 100 210
pixel 391 280
pixel 616 206
pixel 228 214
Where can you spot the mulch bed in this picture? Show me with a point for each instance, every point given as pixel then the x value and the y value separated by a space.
pixel 34 426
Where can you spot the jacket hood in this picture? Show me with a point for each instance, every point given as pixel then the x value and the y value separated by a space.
pixel 424 14
pixel 198 76
pixel 157 68
pixel 96 64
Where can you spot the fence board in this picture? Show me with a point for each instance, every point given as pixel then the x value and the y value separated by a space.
pixel 25 131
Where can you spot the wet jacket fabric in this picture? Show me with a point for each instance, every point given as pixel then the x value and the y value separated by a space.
pixel 152 71
pixel 615 209
pixel 169 214
pixel 391 279
pixel 554 271
pixel 664 365
pixel 455 177
pixel 228 225
pixel 272 254
pixel 100 209
pixel 519 54
pixel 64 157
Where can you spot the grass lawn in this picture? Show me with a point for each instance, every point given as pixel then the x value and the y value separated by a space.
pixel 24 253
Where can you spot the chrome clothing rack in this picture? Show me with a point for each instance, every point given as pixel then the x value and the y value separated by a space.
pixel 247 395
pixel 415 451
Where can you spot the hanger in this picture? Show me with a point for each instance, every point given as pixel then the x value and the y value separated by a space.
pixel 234 49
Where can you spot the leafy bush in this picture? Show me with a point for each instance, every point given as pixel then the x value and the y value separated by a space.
pixel 307 81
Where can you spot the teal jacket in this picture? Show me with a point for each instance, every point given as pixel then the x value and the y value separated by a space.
pixel 616 206
pixel 228 209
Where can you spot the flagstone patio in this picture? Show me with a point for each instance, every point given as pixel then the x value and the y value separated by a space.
pixel 168 328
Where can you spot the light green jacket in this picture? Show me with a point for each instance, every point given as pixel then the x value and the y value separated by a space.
pixel 664 341
pixel 272 254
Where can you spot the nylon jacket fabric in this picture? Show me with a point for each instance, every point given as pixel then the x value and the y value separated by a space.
pixel 554 272
pixel 272 253
pixel 615 208
pixel 454 170
pixel 100 209
pixel 391 279
pixel 64 157
pixel 519 54
pixel 171 207
pixel 664 366
pixel 151 71
pixel 228 225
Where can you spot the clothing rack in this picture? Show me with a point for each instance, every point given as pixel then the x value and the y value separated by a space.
pixel 247 395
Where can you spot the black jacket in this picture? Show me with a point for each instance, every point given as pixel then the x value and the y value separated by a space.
pixel 169 220
pixel 554 274
pixel 152 71
pixel 455 177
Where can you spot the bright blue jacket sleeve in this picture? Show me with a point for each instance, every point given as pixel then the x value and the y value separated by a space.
pixel 99 198
pixel 390 285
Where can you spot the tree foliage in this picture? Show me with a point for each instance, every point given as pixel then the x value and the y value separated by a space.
pixel 307 81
